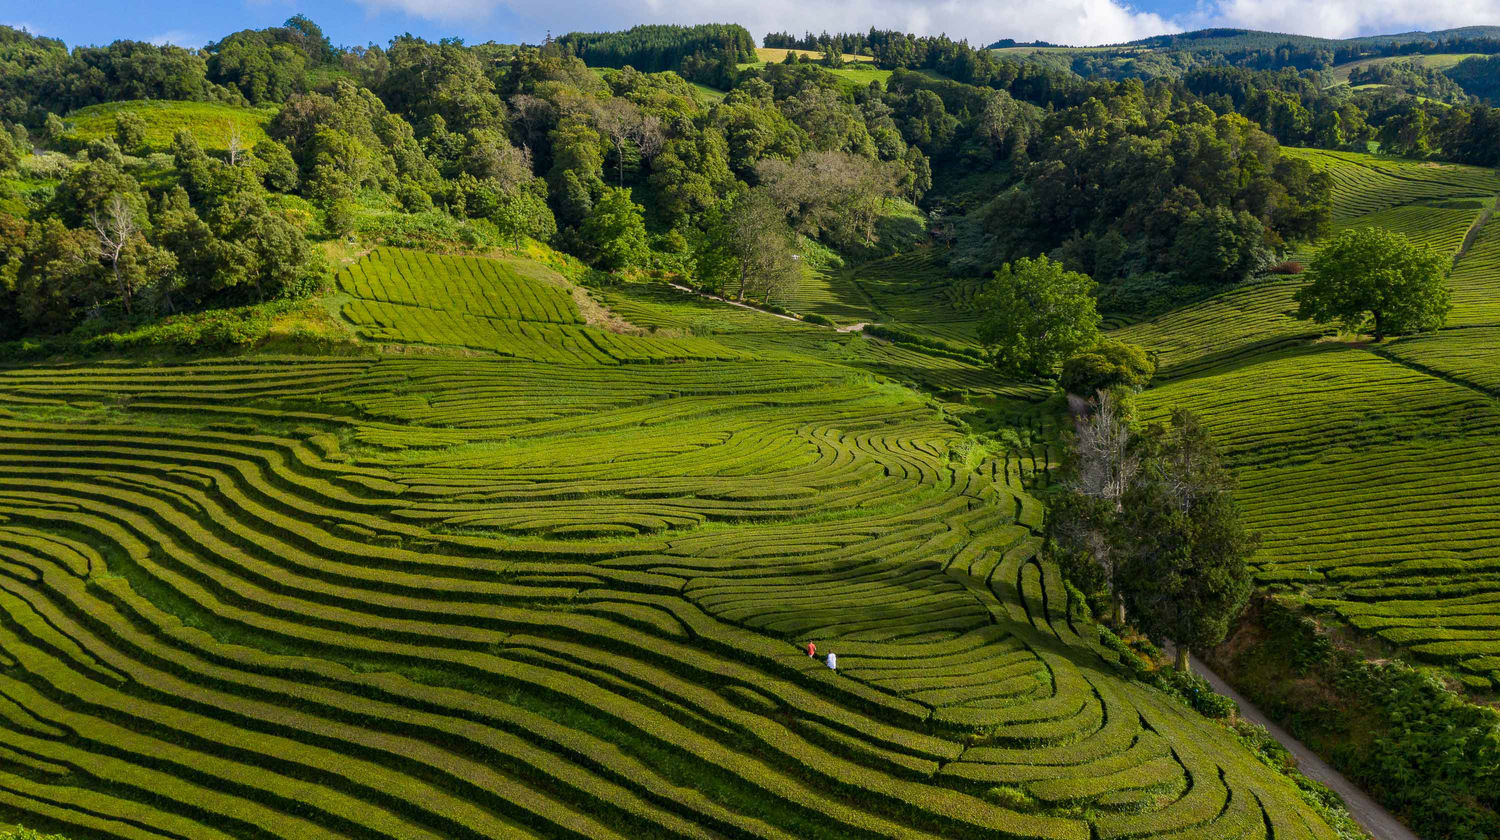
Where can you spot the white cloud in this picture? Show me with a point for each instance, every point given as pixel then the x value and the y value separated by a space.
pixel 1078 22
pixel 1348 18
pixel 980 21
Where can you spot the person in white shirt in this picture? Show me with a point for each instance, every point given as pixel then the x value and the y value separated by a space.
pixel 833 661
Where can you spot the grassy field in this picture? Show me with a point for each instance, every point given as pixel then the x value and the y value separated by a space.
pixel 1370 469
pixel 1434 61
pixel 211 123
pixel 465 589
pixel 857 72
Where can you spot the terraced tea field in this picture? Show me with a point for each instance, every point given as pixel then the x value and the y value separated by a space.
pixel 412 297
pixel 1371 471
pixel 478 594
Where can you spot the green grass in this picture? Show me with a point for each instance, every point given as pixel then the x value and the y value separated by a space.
pixel 513 307
pixel 1369 469
pixel 211 123
pixel 1372 482
pixel 436 593
pixel 1434 61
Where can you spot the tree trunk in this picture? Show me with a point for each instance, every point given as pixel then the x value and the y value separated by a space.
pixel 1379 328
pixel 124 292
pixel 1119 611
pixel 1184 664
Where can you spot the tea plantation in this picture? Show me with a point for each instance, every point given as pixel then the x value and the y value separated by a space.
pixel 535 578
pixel 1370 469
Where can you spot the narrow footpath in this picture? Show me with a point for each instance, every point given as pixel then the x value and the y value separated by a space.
pixel 1371 815
pixel 681 288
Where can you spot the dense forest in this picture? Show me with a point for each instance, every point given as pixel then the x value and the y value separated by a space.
pixel 598 145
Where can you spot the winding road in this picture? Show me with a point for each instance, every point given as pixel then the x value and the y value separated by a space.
pixel 1371 815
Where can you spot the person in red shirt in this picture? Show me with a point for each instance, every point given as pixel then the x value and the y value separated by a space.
pixel 812 650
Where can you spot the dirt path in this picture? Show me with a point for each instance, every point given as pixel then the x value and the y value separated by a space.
pixel 735 303
pixel 1374 818
pixel 1474 230
pixel 860 327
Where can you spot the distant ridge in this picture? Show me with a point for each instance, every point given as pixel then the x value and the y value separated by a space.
pixel 1230 38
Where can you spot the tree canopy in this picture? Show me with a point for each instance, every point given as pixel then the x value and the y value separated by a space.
pixel 1376 278
pixel 1034 314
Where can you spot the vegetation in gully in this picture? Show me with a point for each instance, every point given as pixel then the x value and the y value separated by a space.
pixel 480 440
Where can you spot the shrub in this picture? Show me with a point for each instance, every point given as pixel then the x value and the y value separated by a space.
pixel 1287 267
pixel 820 320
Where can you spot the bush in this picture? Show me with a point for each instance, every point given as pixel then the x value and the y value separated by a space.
pixel 1422 750
pixel 820 320
pixel 1288 267
pixel 1105 366
pixel 1196 692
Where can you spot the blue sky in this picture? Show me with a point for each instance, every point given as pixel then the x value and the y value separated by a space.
pixel 195 22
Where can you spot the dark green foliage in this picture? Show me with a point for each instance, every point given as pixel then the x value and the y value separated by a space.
pixel 524 213
pixel 1418 748
pixel 1131 188
pixel 130 131
pixel 269 65
pixel 1218 246
pixel 1479 77
pixel 279 168
pixel 444 79
pixel 1376 277
pixel 1196 692
pixel 1107 365
pixel 1182 572
pixel 1411 77
pixel 615 232
pixel 346 140
pixel 655 47
pixel 38 75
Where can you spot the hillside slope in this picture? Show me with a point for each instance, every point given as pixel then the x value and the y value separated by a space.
pixel 441 593
pixel 1369 468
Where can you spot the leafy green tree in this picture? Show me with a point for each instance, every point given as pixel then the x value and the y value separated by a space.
pixel 59 277
pixel 1220 246
pixel 615 232
pixel 764 246
pixel 278 168
pixel 195 169
pixel 1034 314
pixel 10 152
pixel 1106 366
pixel 755 128
pixel 339 217
pixel 87 189
pixel 130 131
pixel 178 228
pixel 1409 133
pixel 260 251
pixel 692 173
pixel 443 79
pixel 1183 573
pixel 53 129
pixel 524 213
pixel 1375 275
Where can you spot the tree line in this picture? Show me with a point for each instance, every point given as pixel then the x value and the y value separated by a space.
pixel 1158 190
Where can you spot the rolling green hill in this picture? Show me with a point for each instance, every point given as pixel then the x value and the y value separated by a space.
pixel 469 588
pixel 210 123
pixel 1367 467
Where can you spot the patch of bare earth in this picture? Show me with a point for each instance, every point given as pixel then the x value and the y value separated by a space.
pixel 596 314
